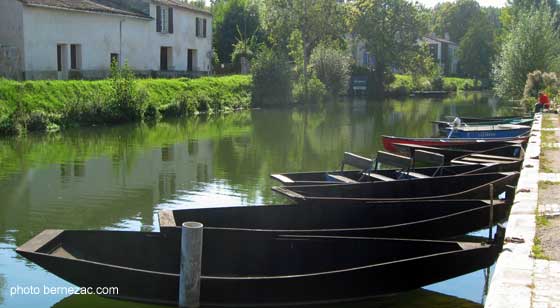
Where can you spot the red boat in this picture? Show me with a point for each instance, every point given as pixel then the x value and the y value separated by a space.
pixel 473 144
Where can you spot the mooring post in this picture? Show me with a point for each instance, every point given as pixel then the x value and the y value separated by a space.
pixel 191 261
pixel 491 220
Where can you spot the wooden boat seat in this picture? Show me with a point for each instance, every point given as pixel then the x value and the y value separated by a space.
pixel 356 161
pixel 342 179
pixel 391 159
pixel 482 160
pixel 431 158
pixel 418 175
pixel 493 157
pixel 379 177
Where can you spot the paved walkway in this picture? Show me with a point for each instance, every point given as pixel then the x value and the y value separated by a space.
pixel 552 177
pixel 546 280
pixel 520 280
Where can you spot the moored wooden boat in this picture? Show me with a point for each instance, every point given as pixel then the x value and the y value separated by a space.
pixel 433 219
pixel 507 158
pixel 498 118
pixel 472 144
pixel 357 176
pixel 473 122
pixel 245 269
pixel 486 131
pixel 470 186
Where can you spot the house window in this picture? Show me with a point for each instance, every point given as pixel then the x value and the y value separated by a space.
pixel 115 59
pixel 204 27
pixel 200 27
pixel 75 57
pixel 434 51
pixel 59 58
pixel 164 19
pixel 62 57
pixel 166 55
pixel 191 60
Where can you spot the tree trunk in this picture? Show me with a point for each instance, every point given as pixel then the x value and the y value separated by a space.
pixel 378 82
pixel 305 78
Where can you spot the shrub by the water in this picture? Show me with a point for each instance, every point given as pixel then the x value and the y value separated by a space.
pixel 332 67
pixel 271 78
pixel 49 105
pixel 316 91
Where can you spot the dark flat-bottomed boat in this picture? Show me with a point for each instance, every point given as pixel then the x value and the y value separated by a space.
pixel 470 186
pixel 245 269
pixel 474 144
pixel 433 219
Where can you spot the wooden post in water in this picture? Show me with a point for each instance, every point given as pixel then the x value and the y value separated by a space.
pixel 191 261
pixel 491 220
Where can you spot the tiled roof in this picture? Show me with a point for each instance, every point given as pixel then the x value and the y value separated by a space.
pixel 81 5
pixel 440 39
pixel 181 4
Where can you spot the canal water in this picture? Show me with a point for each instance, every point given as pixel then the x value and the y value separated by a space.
pixel 118 178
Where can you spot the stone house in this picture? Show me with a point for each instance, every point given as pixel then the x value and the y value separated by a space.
pixel 444 52
pixel 62 39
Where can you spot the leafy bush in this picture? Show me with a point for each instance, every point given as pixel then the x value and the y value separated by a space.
pixel 538 81
pixel 271 78
pixel 532 44
pixel 332 67
pixel 316 91
pixel 48 105
pixel 126 103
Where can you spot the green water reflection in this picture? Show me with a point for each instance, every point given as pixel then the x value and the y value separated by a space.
pixel 119 177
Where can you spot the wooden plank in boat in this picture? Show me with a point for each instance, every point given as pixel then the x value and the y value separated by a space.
pixel 379 177
pixel 429 157
pixel 493 156
pixel 282 178
pixel 393 160
pixel 357 161
pixel 341 178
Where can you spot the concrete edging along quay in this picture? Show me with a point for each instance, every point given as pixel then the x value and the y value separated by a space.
pixel 512 283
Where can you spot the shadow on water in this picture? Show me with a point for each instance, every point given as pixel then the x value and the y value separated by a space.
pixel 417 298
pixel 120 177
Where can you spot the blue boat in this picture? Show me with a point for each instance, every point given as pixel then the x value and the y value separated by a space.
pixel 487 131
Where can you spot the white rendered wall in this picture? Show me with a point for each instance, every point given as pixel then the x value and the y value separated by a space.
pixel 99 36
pixel 11 24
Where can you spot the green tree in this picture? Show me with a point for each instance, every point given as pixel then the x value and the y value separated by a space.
pixel 390 30
pixel 271 78
pixel 315 20
pixel 456 17
pixel 422 64
pixel 332 67
pixel 229 16
pixel 477 49
pixel 532 44
pixel 518 6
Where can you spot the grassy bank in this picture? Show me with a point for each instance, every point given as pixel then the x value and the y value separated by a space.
pixel 50 105
pixel 404 85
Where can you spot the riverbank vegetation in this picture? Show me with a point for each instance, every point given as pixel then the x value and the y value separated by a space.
pixel 51 105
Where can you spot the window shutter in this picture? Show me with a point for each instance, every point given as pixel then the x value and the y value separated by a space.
pixel 170 28
pixel 158 18
pixel 197 27
pixel 204 27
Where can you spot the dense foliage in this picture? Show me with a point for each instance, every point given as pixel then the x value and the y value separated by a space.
pixel 477 49
pixel 532 44
pixel 332 66
pixel 230 19
pixel 49 105
pixel 271 78
pixel 391 41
